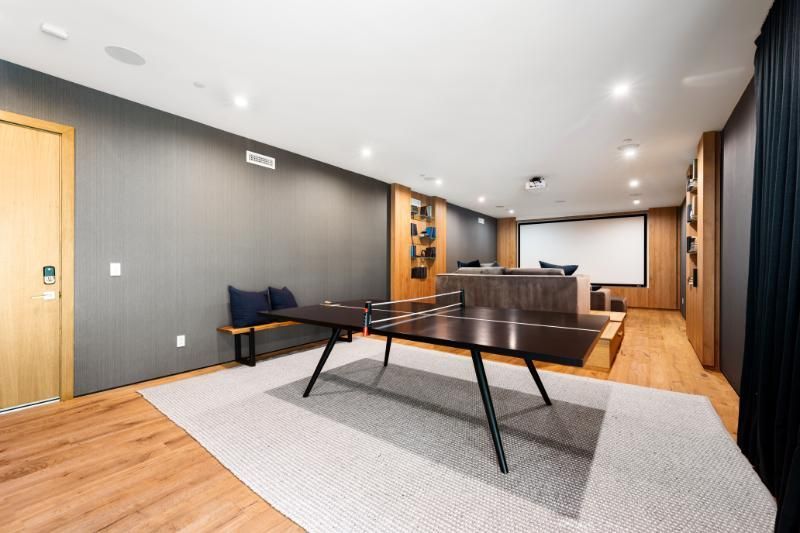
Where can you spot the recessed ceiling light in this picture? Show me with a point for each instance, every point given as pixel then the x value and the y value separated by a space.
pixel 637 202
pixel 240 101
pixel 439 182
pixel 628 148
pixel 366 152
pixel 510 211
pixel 54 31
pixel 621 89
pixel 481 199
pixel 124 55
pixel 633 183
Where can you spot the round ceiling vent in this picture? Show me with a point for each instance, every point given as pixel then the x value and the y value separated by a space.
pixel 124 55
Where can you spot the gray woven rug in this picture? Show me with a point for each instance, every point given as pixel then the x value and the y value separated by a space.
pixel 407 448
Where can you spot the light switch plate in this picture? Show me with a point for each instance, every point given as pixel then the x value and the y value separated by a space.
pixel 114 269
pixel 481 221
pixel 180 341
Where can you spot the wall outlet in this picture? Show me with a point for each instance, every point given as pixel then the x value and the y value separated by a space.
pixel 180 341
pixel 114 269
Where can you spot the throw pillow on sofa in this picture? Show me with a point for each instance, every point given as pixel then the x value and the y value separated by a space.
pixel 245 307
pixel 568 269
pixel 281 298
pixel 474 263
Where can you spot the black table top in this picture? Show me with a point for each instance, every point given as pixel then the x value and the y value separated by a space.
pixel 552 337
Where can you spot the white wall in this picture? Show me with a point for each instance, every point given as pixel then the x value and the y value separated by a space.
pixel 608 250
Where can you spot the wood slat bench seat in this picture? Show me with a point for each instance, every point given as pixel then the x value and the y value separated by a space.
pixel 250 331
pixel 260 327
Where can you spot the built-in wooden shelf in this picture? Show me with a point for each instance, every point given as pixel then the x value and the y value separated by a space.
pixel 702 306
pixel 401 216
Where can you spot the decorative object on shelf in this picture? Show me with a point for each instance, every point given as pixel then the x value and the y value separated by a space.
pixel 429 233
pixel 691 213
pixel 413 229
pixel 691 244
pixel 419 272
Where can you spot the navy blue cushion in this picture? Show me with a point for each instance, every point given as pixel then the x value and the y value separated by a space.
pixel 474 263
pixel 245 307
pixel 281 298
pixel 568 269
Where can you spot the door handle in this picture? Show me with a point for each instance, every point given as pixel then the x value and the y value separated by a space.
pixel 46 295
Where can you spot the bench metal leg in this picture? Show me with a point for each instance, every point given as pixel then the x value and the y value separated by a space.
pixel 251 361
pixel 237 343
pixel 538 381
pixel 335 333
pixel 480 373
pixel 388 347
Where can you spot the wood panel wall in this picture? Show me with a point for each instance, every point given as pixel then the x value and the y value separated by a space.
pixel 401 284
pixel 702 304
pixel 507 242
pixel 662 251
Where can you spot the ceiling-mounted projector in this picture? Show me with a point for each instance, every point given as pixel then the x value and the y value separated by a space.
pixel 535 183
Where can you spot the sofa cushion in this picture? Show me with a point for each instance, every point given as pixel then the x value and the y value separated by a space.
pixel 281 298
pixel 534 272
pixel 494 271
pixel 619 304
pixel 245 307
pixel 568 269
pixel 491 264
pixel 475 263
pixel 600 300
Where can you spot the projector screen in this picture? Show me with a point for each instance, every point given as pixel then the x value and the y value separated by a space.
pixel 610 250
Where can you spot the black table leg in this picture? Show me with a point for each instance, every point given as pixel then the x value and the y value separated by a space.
pixel 325 353
pixel 388 347
pixel 480 373
pixel 538 381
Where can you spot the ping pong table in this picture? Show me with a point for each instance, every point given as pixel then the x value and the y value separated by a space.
pixel 561 338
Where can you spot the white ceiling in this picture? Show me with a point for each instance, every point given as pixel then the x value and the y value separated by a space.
pixel 482 94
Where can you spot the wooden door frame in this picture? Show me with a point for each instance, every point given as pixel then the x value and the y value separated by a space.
pixel 67 233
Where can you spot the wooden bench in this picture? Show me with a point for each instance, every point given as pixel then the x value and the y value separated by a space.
pixel 250 331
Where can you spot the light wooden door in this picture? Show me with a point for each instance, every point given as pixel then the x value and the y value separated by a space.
pixel 30 238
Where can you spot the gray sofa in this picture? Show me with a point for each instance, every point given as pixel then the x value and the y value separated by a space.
pixel 534 289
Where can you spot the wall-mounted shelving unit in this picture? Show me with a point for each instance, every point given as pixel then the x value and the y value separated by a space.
pixel 417 242
pixel 702 308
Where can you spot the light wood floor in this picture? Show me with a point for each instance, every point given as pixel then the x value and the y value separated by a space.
pixel 110 461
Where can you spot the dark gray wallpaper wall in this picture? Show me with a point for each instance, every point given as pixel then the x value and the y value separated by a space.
pixel 176 204
pixel 467 239
pixel 738 152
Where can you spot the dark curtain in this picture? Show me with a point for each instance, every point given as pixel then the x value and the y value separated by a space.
pixel 769 416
